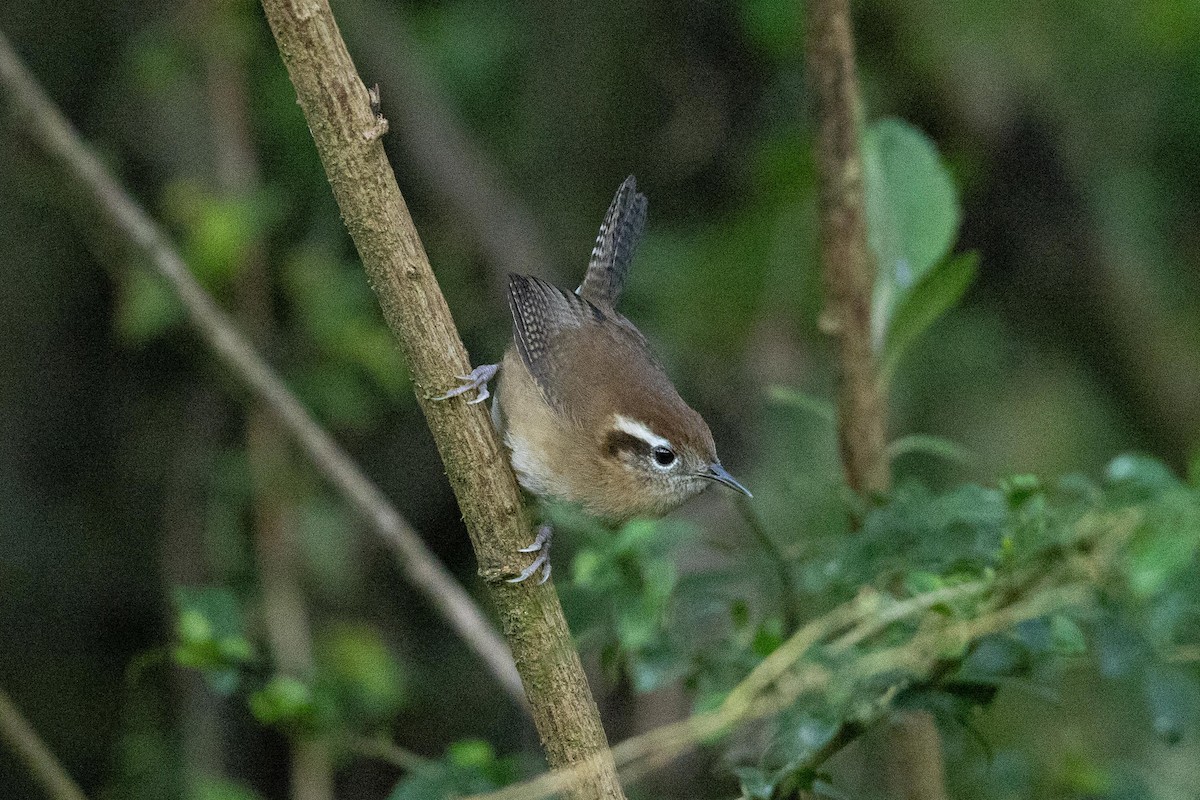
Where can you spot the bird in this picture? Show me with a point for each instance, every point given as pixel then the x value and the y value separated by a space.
pixel 586 412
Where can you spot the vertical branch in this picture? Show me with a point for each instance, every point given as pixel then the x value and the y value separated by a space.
pixel 284 607
pixel 183 561
pixel 913 762
pixel 845 259
pixel 346 133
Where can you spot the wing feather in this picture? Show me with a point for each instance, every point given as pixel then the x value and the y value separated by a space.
pixel 612 255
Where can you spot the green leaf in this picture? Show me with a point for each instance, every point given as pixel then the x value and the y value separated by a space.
pixel 810 404
pixel 358 672
pixel 588 567
pixel 655 667
pixel 471 753
pixel 1165 544
pixel 635 535
pixel 1173 701
pixel 1019 489
pixel 756 784
pixel 639 622
pixel 207 788
pixel 283 701
pixel 469 767
pixel 209 635
pixel 920 582
pixel 1140 477
pixel 775 26
pixel 937 292
pixel 1067 637
pixel 912 213
pixel 929 445
pixel 767 638
pixel 147 308
pixel 218 230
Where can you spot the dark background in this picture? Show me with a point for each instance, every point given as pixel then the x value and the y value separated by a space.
pixel 1071 129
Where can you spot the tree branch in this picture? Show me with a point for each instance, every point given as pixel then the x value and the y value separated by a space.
pixel 284 610
pixel 22 739
pixel 345 131
pixel 914 763
pixel 833 655
pixel 58 140
pixel 441 148
pixel 845 259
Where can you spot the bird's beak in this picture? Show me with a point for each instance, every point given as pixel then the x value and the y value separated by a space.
pixel 718 473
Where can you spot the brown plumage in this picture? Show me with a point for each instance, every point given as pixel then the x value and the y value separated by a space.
pixel 587 412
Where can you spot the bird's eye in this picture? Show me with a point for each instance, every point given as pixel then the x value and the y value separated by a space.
pixel 663 456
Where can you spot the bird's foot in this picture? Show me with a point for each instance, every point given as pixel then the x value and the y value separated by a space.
pixel 541 546
pixel 477 379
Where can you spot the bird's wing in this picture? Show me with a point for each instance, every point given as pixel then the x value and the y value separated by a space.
pixel 545 319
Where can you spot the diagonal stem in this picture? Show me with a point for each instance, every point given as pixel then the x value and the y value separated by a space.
pixel 21 738
pixel 338 110
pixel 53 134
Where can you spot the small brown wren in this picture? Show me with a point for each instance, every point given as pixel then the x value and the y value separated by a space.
pixel 587 413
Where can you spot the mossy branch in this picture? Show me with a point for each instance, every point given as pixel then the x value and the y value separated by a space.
pixel 346 132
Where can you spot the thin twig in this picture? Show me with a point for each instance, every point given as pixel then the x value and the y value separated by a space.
pixel 789 602
pixel 789 673
pixel 58 140
pixel 338 111
pixel 22 739
pixel 382 748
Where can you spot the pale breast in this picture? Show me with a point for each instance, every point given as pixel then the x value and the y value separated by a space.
pixel 527 426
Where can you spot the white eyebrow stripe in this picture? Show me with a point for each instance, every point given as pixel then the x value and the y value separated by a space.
pixel 639 430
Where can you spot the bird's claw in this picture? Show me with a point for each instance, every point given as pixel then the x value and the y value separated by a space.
pixel 476 379
pixel 541 546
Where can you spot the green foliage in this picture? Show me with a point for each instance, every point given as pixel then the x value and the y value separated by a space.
pixel 287 703
pixel 929 445
pixel 212 789
pixel 469 767
pixel 210 636
pixel 357 687
pixel 1021 540
pixel 816 406
pixel 622 586
pixel 935 293
pixel 973 533
pixel 912 219
pixel 349 365
pixel 358 675
pixel 775 26
pixel 218 233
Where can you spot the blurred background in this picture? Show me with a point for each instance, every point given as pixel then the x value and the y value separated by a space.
pixel 132 465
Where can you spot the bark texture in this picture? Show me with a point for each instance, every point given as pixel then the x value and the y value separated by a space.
pixel 346 132
pixel 845 259
pixel 913 765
